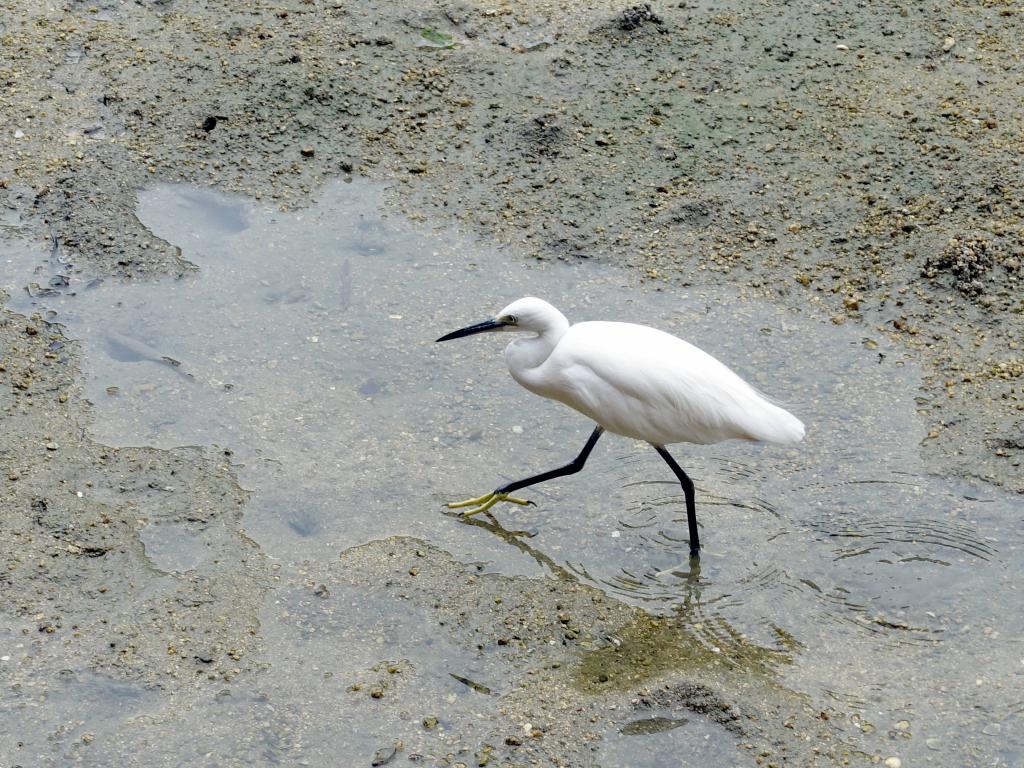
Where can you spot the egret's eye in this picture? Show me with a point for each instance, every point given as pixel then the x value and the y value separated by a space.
pixel 511 320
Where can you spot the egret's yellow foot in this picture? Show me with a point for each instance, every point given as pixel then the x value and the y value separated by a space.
pixel 485 502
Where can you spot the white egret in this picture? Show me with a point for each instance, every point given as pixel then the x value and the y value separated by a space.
pixel 634 381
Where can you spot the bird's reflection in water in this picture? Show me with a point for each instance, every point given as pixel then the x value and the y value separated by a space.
pixel 692 632
pixel 516 539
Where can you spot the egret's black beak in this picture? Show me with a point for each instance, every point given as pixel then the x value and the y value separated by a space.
pixel 486 325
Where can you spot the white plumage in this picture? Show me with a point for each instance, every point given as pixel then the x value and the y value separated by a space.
pixel 634 381
pixel 647 384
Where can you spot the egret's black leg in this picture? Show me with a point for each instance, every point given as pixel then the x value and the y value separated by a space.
pixel 691 502
pixel 571 468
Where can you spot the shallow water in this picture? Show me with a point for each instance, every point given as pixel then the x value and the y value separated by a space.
pixel 80 706
pixel 304 345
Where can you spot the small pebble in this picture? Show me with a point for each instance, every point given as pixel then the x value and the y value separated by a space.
pixel 948 43
pixel 893 762
pixel 992 729
pixel 385 755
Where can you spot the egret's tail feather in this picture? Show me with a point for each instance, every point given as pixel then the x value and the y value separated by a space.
pixel 777 425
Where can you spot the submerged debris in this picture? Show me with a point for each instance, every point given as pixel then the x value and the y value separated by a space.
pixel 472 684
pixel 652 725
pixel 432 38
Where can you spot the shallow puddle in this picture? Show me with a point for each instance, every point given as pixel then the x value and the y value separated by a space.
pixel 173 548
pixel 80 709
pixel 304 345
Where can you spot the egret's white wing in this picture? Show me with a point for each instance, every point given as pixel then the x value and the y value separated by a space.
pixel 644 383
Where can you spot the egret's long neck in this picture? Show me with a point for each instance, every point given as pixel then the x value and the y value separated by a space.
pixel 526 353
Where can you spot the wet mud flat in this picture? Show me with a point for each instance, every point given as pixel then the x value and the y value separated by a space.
pixel 212 551
pixel 332 586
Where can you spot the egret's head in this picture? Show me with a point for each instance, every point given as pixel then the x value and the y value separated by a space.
pixel 527 314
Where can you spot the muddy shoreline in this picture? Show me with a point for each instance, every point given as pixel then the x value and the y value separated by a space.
pixel 861 164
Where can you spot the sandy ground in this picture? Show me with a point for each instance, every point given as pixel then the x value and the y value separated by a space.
pixel 861 161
